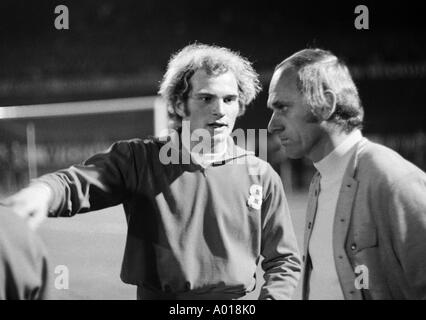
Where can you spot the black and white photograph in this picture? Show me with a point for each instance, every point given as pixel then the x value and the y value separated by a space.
pixel 212 150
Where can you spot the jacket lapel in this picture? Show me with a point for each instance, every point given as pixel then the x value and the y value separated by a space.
pixel 309 224
pixel 311 211
pixel 342 220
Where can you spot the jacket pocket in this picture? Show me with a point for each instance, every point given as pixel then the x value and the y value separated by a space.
pixel 363 238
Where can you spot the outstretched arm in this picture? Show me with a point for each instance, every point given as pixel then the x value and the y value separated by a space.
pixel 101 181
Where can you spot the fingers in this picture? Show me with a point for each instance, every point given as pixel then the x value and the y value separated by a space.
pixel 35 220
pixel 18 206
pixel 33 215
pixel 29 204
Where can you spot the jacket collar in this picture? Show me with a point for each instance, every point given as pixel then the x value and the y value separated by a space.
pixel 352 167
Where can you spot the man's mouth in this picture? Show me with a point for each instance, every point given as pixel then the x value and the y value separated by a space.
pixel 217 125
pixel 284 140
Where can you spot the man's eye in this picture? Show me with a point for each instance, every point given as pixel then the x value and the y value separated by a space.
pixel 206 99
pixel 283 109
pixel 229 100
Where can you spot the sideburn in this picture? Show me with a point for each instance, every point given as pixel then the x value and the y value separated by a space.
pixel 311 117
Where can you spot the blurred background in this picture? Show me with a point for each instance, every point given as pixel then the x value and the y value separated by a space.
pixel 66 94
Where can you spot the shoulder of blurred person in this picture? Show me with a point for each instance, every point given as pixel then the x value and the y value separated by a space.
pixel 23 260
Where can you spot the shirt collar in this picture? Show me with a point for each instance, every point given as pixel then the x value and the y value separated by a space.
pixel 232 150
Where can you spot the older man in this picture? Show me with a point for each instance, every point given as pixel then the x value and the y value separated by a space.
pixel 365 235
pixel 200 210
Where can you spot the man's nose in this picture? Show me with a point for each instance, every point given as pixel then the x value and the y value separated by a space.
pixel 274 123
pixel 219 107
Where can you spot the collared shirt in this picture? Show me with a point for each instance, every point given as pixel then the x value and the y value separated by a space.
pixel 324 282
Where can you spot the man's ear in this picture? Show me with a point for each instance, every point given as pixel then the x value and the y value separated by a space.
pixel 180 109
pixel 329 107
pixel 241 110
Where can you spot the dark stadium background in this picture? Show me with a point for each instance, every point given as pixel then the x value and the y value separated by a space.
pixel 120 49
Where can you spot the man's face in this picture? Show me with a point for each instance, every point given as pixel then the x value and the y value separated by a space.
pixel 292 120
pixel 212 104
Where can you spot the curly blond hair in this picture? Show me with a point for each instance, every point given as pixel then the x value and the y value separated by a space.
pixel 215 60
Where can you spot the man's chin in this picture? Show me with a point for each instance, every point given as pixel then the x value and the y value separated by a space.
pixel 292 154
pixel 221 133
pixel 218 139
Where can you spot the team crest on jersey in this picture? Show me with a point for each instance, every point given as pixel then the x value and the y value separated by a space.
pixel 255 198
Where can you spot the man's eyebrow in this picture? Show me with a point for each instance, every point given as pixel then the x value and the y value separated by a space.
pixel 208 94
pixel 203 94
pixel 231 95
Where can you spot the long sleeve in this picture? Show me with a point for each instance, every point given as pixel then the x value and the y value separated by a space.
pixel 281 262
pixel 102 181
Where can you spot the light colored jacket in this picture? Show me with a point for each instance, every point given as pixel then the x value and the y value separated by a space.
pixel 379 231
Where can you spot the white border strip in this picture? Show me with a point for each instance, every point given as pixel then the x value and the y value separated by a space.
pixel 161 117
pixel 79 108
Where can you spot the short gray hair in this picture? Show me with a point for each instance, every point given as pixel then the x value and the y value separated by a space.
pixel 176 85
pixel 320 70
